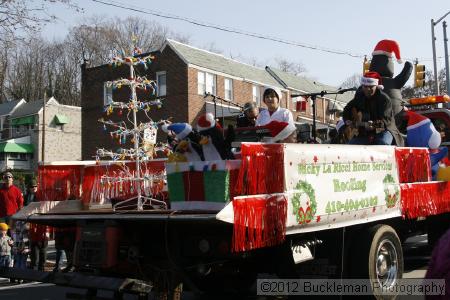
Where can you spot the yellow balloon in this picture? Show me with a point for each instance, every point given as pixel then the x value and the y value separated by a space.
pixel 443 174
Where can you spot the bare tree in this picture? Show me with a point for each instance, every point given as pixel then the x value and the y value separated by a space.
pixel 30 67
pixel 428 88
pixel 26 16
pixel 352 81
pixel 285 65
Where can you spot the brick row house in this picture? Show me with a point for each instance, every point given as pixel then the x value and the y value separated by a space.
pixel 183 75
pixel 25 141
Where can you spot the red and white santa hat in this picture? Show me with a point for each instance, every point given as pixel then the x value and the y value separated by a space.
pixel 279 130
pixel 387 47
pixel 371 79
pixel 206 122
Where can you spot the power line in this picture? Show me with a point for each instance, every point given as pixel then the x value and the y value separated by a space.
pixel 227 29
pixel 164 15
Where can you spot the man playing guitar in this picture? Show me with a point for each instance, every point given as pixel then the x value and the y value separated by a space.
pixel 370 114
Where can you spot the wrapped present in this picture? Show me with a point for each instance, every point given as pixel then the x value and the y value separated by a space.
pixel 201 182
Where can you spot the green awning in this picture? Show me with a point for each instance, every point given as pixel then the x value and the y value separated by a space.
pixel 16 148
pixel 61 119
pixel 23 121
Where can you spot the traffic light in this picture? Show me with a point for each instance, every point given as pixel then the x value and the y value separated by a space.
pixel 419 75
pixel 366 65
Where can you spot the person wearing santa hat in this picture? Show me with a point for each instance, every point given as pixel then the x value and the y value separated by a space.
pixel 272 97
pixel 372 105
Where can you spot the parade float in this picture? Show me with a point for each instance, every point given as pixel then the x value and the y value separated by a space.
pixel 212 222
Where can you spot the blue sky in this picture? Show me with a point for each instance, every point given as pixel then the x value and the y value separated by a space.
pixel 351 26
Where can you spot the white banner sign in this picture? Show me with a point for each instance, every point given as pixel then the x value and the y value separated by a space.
pixel 332 186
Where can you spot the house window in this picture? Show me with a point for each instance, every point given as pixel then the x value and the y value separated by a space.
pixel 228 89
pixel 161 83
pixel 17 156
pixel 107 93
pixel 206 83
pixel 2 156
pixel 256 95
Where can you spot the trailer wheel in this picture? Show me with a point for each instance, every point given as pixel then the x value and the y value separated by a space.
pixel 379 258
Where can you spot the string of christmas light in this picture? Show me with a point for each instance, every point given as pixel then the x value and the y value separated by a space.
pixel 138 82
pixel 145 61
pixel 138 106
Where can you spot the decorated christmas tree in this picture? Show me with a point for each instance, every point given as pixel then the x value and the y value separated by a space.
pixel 131 179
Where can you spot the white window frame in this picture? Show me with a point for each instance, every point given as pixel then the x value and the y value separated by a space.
pixel 202 83
pixel 256 95
pixel 229 90
pixel 107 94
pixel 161 91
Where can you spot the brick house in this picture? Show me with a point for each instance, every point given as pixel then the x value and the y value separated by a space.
pixel 24 147
pixel 183 75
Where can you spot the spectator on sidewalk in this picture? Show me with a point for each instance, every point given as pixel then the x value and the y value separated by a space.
pixel 5 246
pixel 39 235
pixel 11 199
pixel 21 247
pixel 30 196
pixel 64 241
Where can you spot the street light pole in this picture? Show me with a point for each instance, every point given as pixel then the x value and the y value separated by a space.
pixel 433 43
pixel 447 78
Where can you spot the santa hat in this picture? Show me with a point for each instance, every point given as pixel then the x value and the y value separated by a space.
pixel 421 132
pixel 181 129
pixel 206 122
pixel 277 91
pixel 372 78
pixel 386 47
pixel 279 130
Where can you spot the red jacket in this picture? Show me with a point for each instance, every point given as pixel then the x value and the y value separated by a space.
pixel 11 200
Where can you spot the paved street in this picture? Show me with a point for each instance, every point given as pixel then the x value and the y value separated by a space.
pixel 416 251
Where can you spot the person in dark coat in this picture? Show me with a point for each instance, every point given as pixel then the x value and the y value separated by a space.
pixel 248 117
pixel 372 105
pixel 30 196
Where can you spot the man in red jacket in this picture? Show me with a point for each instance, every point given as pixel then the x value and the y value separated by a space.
pixel 11 199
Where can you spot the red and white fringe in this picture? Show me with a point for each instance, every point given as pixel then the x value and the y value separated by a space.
pixel 259 221
pixel 262 169
pixel 413 164
pixel 425 199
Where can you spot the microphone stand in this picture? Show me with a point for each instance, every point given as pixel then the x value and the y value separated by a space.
pixel 215 98
pixel 313 97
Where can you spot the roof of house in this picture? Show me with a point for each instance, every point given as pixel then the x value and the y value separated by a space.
pixel 306 85
pixel 222 64
pixel 31 108
pixel 219 63
pixel 7 107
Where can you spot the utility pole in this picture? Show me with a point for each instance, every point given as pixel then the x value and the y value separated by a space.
pixel 447 78
pixel 43 128
pixel 433 43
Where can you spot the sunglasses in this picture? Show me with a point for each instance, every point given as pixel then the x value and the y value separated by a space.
pixel 6 177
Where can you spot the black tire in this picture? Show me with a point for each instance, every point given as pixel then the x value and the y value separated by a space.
pixel 378 258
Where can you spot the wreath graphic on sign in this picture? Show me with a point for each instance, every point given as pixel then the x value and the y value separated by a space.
pixel 304 216
pixel 391 195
